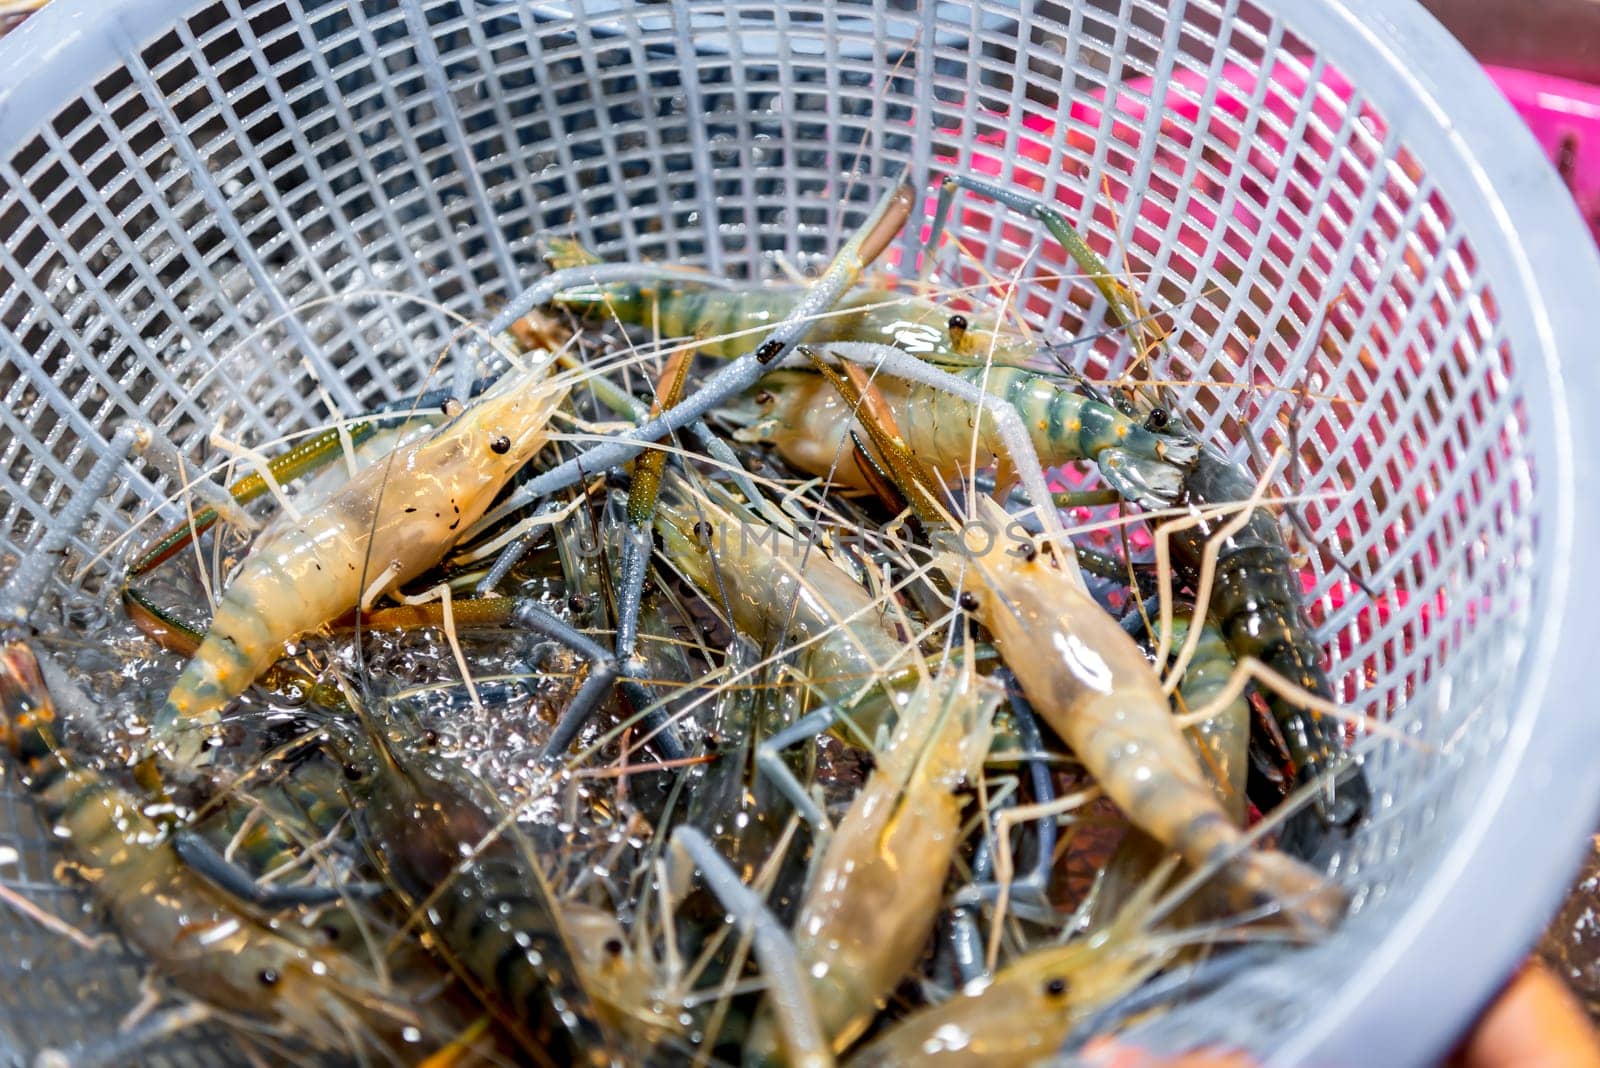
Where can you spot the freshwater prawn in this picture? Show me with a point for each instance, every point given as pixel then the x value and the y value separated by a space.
pixel 1087 678
pixel 805 419
pixel 388 524
pixel 283 978
pixel 879 884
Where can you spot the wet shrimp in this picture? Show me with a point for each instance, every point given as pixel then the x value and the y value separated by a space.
pixel 391 522
pixel 722 322
pixel 782 591
pixel 282 977
pixel 879 884
pixel 1255 603
pixel 1027 1011
pixel 481 896
pixel 805 419
pixel 1085 677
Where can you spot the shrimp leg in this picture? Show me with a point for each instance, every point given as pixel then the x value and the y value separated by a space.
pixel 770 762
pixel 637 546
pixel 1032 889
pixel 602 672
pixel 966 943
pixel 742 373
pixel 1110 287
pixel 787 990
pixel 125 1047
pixel 206 860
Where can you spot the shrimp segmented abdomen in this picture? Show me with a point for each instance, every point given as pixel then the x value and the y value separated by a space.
pixel 391 522
pixel 1088 679
pixel 810 425
pixel 1257 606
pixel 200 938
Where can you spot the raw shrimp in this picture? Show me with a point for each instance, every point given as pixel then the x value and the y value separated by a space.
pixel 626 991
pixel 809 423
pixel 391 522
pixel 483 899
pixel 779 590
pixel 1255 604
pixel 204 941
pixel 1085 676
pixel 1024 1014
pixel 877 889
pixel 1222 740
pixel 722 322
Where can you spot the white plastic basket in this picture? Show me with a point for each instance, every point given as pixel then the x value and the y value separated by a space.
pixel 191 190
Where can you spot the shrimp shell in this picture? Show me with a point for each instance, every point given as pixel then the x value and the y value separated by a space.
pixel 809 424
pixel 880 882
pixel 201 939
pixel 1026 1012
pixel 779 590
pixel 388 524
pixel 1087 678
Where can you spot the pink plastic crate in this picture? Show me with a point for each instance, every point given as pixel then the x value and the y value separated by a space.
pixel 1565 116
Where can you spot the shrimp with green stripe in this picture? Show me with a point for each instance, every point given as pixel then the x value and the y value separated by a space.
pixel 879 885
pixel 938 411
pixel 723 322
pixel 810 425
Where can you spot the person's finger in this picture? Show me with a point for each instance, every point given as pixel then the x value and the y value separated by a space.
pixel 1534 1023
pixel 1109 1053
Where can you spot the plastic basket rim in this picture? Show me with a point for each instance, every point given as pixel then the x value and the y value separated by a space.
pixel 1445 949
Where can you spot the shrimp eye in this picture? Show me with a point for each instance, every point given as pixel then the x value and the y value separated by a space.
pixel 968 601
pixel 268 977
pixel 1029 551
pixel 500 445
pixel 1056 987
pixel 330 932
pixel 768 350
pixel 352 772
pixel 712 743
pixel 957 324
pixel 578 602
pixel 430 737
pixel 1157 419
pixel 764 398
pixel 702 531
pixel 613 947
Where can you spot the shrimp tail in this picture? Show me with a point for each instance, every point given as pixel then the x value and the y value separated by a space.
pixel 563 252
pixel 1307 901
pixel 26 713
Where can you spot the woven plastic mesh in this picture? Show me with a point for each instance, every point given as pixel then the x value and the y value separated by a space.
pixel 225 228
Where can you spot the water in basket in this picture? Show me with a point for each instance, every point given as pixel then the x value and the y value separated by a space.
pixel 200 198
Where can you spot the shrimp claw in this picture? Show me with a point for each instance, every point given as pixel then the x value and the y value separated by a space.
pixel 742 373
pixel 787 990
